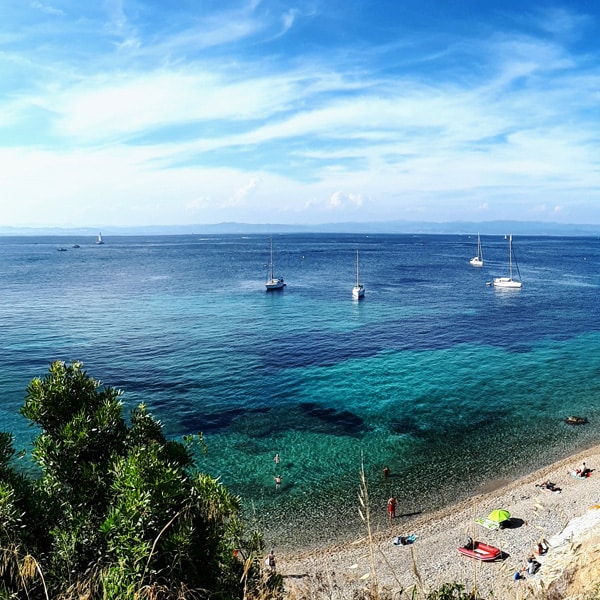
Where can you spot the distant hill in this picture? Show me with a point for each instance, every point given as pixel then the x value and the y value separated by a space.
pixel 459 227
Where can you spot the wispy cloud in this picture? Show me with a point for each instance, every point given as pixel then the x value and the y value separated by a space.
pixel 562 21
pixel 245 192
pixel 47 8
pixel 231 107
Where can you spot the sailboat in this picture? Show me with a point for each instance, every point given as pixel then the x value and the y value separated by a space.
pixel 508 282
pixel 100 240
pixel 273 283
pixel 477 261
pixel 358 291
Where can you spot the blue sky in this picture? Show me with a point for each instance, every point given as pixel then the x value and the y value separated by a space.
pixel 153 112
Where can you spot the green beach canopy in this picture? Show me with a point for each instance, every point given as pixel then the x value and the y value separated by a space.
pixel 499 515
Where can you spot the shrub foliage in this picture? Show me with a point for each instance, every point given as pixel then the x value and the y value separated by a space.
pixel 115 510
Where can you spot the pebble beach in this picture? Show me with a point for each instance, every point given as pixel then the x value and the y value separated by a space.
pixel 342 570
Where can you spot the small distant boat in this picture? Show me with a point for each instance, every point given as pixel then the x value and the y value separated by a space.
pixel 358 291
pixel 100 240
pixel 61 249
pixel 477 261
pixel 76 246
pixel 509 282
pixel 273 283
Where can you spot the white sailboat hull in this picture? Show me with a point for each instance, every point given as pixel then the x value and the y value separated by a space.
pixel 358 291
pixel 276 283
pixel 506 282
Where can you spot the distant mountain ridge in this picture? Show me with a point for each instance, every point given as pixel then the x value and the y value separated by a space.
pixel 390 227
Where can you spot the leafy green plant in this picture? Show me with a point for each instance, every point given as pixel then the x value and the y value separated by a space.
pixel 452 591
pixel 117 511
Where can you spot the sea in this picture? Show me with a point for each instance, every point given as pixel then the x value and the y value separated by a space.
pixel 454 385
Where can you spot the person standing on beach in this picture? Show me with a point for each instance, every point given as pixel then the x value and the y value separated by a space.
pixel 271 562
pixel 391 508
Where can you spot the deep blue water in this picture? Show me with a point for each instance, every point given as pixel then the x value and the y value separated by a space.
pixel 449 382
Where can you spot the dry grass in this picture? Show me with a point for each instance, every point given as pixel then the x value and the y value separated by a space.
pixel 21 571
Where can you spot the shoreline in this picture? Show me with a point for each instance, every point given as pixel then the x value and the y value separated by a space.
pixel 433 559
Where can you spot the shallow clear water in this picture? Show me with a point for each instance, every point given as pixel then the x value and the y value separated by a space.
pixel 449 382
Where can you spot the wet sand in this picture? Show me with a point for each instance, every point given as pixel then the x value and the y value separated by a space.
pixel 339 569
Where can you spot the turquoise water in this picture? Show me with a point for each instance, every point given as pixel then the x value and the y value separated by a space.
pixel 450 383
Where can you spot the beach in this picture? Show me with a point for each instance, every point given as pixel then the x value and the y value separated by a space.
pixel 340 570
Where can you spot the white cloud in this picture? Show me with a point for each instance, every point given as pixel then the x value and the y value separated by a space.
pixel 560 21
pixel 240 196
pixel 288 19
pixel 341 201
pixel 46 8
pixel 108 109
pixel 199 203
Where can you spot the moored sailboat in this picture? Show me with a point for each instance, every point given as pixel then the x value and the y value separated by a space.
pixel 273 283
pixel 358 291
pixel 509 282
pixel 477 261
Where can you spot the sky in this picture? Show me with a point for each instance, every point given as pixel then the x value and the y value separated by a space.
pixel 161 112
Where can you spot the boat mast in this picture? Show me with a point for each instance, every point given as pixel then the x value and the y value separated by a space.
pixel 357 279
pixel 271 263
pixel 510 256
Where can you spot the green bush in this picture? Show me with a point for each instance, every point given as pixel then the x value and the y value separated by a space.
pixel 452 591
pixel 117 510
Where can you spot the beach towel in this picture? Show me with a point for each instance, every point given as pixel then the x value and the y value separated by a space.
pixel 487 523
pixel 404 540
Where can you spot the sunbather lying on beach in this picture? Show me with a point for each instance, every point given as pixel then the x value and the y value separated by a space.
pixel 581 473
pixel 548 486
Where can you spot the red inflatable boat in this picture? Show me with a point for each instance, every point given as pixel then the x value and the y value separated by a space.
pixel 480 551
